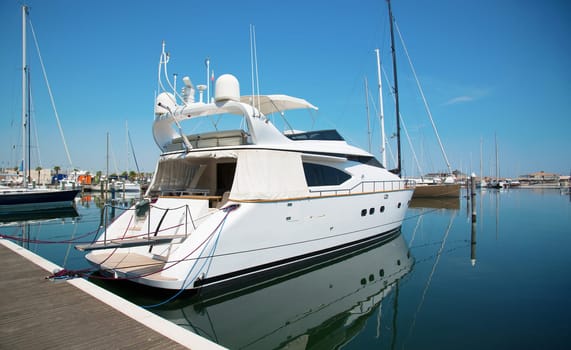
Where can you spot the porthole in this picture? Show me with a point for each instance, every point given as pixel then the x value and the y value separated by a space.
pixel 363 281
pixel 382 272
pixel 371 211
pixel 398 262
pixel 382 209
pixel 371 278
pixel 363 212
pixel 399 205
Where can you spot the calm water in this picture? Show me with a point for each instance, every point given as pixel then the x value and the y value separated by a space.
pixel 444 283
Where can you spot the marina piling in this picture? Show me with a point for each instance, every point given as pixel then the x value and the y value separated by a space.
pixel 473 196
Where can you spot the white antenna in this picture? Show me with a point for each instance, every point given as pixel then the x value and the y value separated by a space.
pixel 174 76
pixel 201 89
pixel 252 63
pixel 381 113
pixel 254 67
pixel 207 62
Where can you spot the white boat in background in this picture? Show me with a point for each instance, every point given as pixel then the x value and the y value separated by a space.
pixel 227 206
pixel 126 186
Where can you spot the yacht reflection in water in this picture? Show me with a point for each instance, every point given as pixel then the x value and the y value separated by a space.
pixel 321 308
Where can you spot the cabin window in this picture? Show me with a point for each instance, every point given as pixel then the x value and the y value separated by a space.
pixel 323 175
pixel 382 209
pixel 371 211
pixel 363 212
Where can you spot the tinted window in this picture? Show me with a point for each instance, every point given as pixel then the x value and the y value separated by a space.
pixel 325 135
pixel 322 175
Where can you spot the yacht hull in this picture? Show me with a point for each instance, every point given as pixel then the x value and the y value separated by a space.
pixel 255 240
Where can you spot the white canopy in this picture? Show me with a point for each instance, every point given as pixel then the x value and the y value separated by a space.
pixel 268 104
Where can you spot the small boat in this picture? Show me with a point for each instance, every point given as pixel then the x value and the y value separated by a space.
pixel 437 186
pixel 228 206
pixel 19 199
pixel 126 186
pixel 437 190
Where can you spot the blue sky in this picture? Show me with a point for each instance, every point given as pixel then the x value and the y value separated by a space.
pixel 486 67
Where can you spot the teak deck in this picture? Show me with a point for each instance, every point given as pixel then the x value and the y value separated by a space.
pixel 36 313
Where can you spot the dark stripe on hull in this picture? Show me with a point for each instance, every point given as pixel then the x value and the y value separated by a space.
pixel 246 278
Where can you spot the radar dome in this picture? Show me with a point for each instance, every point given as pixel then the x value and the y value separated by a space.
pixel 227 88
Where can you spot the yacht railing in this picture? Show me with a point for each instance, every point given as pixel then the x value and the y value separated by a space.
pixel 368 187
pixel 142 211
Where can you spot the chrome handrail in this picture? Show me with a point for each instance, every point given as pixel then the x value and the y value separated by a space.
pixel 377 186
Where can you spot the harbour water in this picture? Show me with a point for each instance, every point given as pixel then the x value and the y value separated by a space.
pixel 443 283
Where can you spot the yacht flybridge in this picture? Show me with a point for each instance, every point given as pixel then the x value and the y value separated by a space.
pixel 229 207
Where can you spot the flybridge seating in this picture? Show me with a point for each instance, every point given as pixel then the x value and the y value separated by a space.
pixel 212 139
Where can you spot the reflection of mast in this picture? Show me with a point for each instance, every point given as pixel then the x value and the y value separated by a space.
pixel 432 272
pixel 473 244
pixel 497 212
pixel 415 229
pixel 395 305
pixel 473 206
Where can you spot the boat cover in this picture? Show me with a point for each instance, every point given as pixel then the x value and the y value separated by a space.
pixel 268 175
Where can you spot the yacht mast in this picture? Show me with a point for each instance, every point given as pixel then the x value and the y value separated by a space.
pixel 396 90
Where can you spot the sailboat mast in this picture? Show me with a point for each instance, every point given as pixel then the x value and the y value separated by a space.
pixel 24 97
pixel 381 112
pixel 396 90
pixel 368 117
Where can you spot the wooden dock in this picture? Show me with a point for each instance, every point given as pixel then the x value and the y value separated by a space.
pixel 36 313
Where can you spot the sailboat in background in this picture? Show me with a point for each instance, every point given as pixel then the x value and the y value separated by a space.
pixel 30 198
pixel 496 182
pixel 126 185
pixel 445 185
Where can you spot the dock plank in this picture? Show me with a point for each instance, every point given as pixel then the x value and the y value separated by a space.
pixel 36 313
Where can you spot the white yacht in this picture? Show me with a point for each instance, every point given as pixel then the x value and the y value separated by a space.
pixel 226 207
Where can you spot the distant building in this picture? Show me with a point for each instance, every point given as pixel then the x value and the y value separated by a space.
pixel 540 177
